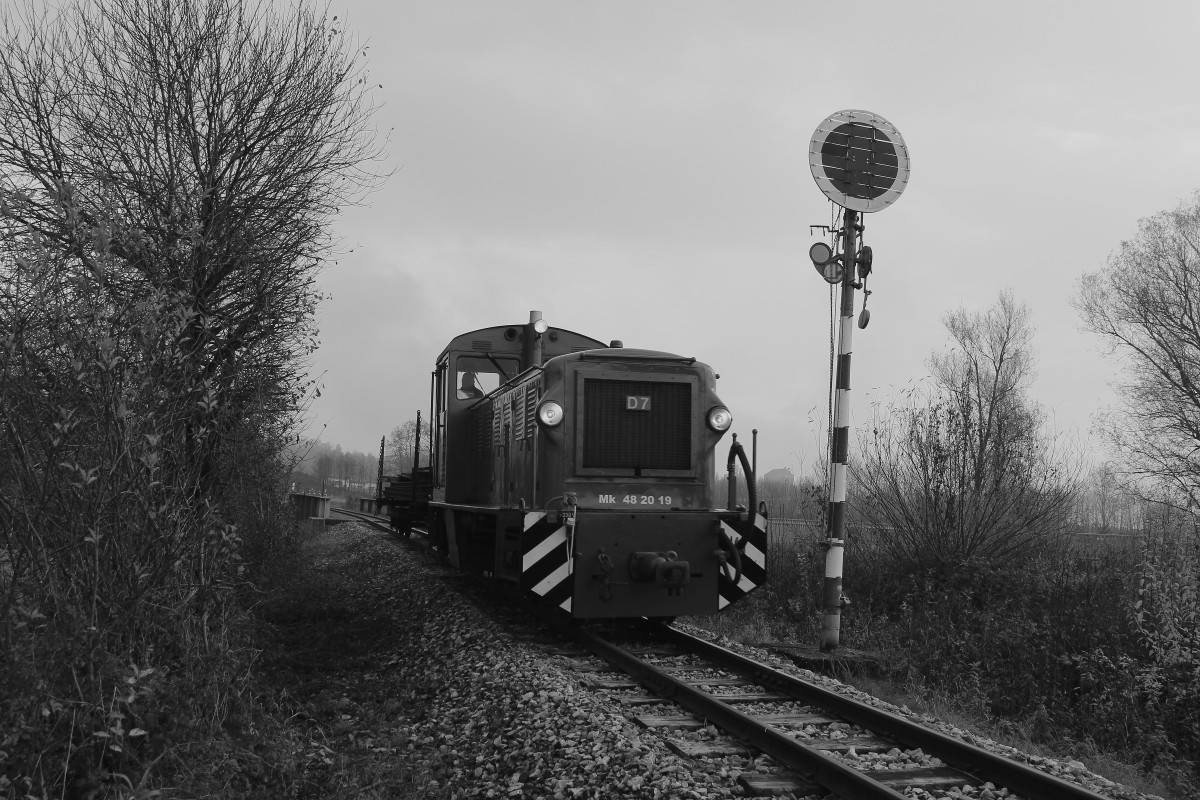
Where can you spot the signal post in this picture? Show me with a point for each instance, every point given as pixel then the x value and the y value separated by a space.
pixel 860 162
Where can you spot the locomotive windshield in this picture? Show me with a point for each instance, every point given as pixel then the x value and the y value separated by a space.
pixel 479 375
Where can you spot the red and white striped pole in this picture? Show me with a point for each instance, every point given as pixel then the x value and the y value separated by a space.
pixel 835 541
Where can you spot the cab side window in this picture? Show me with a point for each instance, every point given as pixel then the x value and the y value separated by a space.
pixel 479 375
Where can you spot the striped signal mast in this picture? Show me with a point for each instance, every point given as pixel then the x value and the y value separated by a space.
pixel 860 162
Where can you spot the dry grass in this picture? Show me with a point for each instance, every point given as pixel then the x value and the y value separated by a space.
pixel 785 611
pixel 965 711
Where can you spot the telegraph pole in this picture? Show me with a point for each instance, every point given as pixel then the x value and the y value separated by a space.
pixel 860 162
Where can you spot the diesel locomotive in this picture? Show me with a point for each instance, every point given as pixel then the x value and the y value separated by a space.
pixel 584 472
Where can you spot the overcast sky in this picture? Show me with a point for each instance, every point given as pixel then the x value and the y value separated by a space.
pixel 638 171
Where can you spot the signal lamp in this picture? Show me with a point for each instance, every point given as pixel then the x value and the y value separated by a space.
pixel 549 414
pixel 829 265
pixel 719 418
pixel 540 326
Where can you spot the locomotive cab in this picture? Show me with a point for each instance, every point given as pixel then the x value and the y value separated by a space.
pixel 470 373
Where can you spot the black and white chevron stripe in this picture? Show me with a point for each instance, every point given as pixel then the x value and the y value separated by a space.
pixel 754 560
pixel 545 560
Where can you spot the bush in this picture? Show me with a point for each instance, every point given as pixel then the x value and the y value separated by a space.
pixel 119 615
pixel 1077 645
pixel 167 176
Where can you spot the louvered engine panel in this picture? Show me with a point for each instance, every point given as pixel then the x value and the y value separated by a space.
pixel 532 391
pixel 483 430
pixel 616 436
pixel 497 429
pixel 518 400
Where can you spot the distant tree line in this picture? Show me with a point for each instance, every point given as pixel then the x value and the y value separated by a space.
pixel 326 467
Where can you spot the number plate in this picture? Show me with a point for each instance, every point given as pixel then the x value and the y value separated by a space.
pixel 623 498
pixel 637 402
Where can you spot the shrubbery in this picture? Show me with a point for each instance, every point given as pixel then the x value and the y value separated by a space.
pixel 122 633
pixel 167 176
pixel 1062 643
pixel 1084 646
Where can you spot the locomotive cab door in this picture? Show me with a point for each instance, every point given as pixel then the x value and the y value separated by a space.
pixel 469 381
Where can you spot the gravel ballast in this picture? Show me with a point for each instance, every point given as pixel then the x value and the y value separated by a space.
pixel 394 684
pixel 431 683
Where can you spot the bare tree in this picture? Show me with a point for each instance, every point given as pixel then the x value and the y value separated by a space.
pixel 356 470
pixel 193 152
pixel 326 464
pixel 168 171
pixel 959 467
pixel 1105 505
pixel 985 376
pixel 1145 306
pixel 400 451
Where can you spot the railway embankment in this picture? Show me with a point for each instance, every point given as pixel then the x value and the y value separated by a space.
pixel 384 682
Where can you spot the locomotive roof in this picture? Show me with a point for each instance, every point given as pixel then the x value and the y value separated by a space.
pixel 629 354
pixel 465 341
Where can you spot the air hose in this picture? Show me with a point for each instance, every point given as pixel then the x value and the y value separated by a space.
pixel 735 449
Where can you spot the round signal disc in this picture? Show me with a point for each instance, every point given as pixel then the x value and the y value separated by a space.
pixel 859 160
pixel 820 253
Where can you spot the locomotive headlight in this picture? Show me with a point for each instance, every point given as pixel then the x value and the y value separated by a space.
pixel 719 418
pixel 550 414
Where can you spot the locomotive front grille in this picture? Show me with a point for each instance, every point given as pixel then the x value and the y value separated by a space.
pixel 638 425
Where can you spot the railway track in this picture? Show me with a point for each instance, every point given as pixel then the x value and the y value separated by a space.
pixel 827 742
pixel 373 520
pixel 800 725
